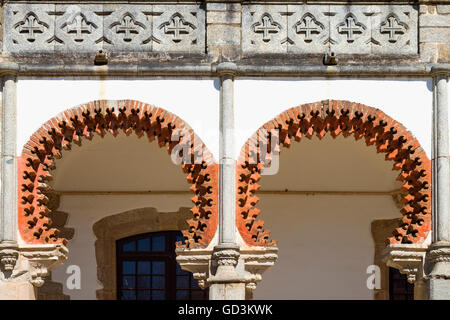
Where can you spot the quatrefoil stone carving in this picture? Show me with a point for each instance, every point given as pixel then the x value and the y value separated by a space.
pixel 266 27
pixel 128 26
pixel 30 26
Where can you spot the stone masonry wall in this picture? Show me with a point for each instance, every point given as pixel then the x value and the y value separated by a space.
pixel 434 35
pixel 226 31
pixel 223 25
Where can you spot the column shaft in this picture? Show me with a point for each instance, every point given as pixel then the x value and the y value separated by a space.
pixel 224 281
pixel 8 161
pixel 439 251
pixel 227 188
pixel 441 172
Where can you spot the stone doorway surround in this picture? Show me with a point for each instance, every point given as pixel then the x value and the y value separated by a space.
pixel 122 225
pixel 382 229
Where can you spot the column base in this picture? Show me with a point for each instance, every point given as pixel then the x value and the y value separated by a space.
pixel 17 291
pixel 439 257
pixel 227 291
pixel 439 289
pixel 439 277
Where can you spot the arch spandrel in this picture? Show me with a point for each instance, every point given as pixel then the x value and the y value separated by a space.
pixel 113 116
pixel 337 117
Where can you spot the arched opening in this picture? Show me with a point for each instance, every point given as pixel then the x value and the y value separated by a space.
pixel 324 231
pixel 95 161
pixel 335 202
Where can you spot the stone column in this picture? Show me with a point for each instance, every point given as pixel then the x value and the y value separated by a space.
pixel 8 197
pixel 439 250
pixel 225 283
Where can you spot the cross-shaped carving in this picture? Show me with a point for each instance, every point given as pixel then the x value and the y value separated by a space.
pixel 266 27
pixel 308 25
pixel 177 26
pixel 31 25
pixel 351 27
pixel 393 27
pixel 79 25
pixel 128 26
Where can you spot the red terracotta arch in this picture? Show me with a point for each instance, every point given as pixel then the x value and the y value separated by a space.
pixel 349 119
pixel 103 117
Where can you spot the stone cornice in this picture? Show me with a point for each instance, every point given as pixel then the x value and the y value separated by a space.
pixel 87 2
pixel 324 2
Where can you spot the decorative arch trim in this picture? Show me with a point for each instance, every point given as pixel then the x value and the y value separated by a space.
pixel 113 116
pixel 349 119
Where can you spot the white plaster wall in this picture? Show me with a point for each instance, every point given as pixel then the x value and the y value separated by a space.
pixel 325 245
pixel 196 101
pixel 407 101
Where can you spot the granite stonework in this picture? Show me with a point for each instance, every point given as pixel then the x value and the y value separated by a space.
pixel 354 29
pixel 89 28
pixel 296 29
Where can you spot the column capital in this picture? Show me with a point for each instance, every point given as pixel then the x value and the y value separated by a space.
pixel 226 254
pixel 440 70
pixel 226 69
pixel 33 262
pixel 9 68
pixel 9 253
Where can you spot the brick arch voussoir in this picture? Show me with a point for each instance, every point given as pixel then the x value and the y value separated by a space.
pixel 337 117
pixel 113 117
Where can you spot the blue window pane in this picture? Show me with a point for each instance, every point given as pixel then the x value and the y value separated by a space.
pixel 129 246
pixel 182 282
pixel 128 295
pixel 143 245
pixel 180 238
pixel 143 282
pixel 181 271
pixel 159 267
pixel 159 243
pixel 158 294
pixel 129 282
pixel 143 295
pixel 194 283
pixel 182 294
pixel 143 267
pixel 129 267
pixel 158 282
